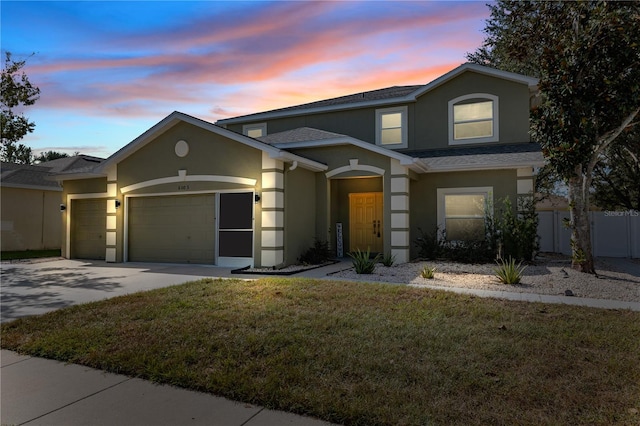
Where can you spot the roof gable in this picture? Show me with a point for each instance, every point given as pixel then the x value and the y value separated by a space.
pixel 381 97
pixel 178 117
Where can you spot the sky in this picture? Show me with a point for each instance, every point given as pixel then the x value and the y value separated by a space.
pixel 110 70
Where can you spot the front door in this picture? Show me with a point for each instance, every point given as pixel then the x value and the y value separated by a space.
pixel 365 221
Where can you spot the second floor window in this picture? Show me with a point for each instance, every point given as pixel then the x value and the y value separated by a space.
pixel 255 130
pixel 391 127
pixel 473 119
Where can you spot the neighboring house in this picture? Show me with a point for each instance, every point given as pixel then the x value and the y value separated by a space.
pixel 258 189
pixel 30 198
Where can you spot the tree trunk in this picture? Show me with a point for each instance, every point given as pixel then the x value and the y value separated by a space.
pixel 582 255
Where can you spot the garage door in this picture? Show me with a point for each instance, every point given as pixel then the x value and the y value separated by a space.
pixel 88 228
pixel 176 229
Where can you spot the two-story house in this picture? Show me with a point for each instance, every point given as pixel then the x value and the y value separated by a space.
pixel 360 171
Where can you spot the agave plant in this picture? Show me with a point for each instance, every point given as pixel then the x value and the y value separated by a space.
pixel 428 272
pixel 508 272
pixel 362 261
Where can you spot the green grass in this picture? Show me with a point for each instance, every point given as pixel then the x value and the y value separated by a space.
pixel 359 354
pixel 28 254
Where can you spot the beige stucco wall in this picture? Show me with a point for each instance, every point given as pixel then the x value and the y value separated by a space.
pixel 31 219
pixel 424 200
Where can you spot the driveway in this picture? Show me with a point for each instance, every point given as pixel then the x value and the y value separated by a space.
pixel 40 287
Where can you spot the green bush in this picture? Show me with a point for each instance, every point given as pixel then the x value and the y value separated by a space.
pixel 318 254
pixel 508 272
pixel 428 272
pixel 388 260
pixel 363 263
pixel 508 234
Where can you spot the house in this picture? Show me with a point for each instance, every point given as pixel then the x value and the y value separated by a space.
pixel 30 199
pixel 360 171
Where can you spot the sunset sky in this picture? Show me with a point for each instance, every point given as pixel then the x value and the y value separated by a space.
pixel 109 70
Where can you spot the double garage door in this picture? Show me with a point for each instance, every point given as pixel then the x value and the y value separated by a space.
pixel 184 229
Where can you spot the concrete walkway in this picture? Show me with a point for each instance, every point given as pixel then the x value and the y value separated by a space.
pixel 36 391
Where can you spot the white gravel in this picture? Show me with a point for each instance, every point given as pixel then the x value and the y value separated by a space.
pixel 551 275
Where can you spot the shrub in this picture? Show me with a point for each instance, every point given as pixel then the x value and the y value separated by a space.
pixel 362 261
pixel 430 244
pixel 317 254
pixel 508 272
pixel 518 233
pixel 388 259
pixel 428 272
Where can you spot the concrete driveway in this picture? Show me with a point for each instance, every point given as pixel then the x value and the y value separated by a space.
pixel 39 287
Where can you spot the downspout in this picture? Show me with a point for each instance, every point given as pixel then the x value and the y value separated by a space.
pixel 293 166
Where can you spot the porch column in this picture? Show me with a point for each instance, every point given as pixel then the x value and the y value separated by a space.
pixel 272 232
pixel 400 243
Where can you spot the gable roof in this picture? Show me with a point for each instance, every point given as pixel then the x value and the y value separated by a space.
pixel 380 97
pixel 178 117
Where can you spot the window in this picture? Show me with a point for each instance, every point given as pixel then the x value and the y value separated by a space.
pixel 473 119
pixel 391 127
pixel 255 130
pixel 462 212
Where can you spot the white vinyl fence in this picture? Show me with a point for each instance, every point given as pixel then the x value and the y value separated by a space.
pixel 613 234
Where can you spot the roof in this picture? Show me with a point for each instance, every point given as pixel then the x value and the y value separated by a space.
pixel 380 97
pixel 28 177
pixel 486 157
pixel 75 164
pixel 178 117
pixel 301 134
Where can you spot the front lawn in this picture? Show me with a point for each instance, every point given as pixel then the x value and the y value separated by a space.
pixel 359 354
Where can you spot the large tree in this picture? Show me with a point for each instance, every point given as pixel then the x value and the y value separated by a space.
pixel 17 92
pixel 587 57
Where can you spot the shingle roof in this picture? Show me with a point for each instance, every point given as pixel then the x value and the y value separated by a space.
pixel 301 134
pixel 487 157
pixel 372 95
pixel 22 175
pixel 77 163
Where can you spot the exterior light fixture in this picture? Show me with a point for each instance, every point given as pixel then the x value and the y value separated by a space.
pixel 256 197
pixel 63 207
pixel 117 203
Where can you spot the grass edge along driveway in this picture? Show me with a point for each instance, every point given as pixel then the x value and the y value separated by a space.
pixel 358 353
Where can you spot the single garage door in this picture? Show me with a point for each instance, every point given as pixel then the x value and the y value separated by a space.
pixel 88 228
pixel 172 229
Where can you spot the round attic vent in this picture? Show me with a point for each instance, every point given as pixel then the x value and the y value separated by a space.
pixel 182 148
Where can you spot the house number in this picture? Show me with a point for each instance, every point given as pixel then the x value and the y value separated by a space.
pixel 183 187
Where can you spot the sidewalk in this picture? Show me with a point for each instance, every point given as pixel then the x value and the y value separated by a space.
pixel 36 391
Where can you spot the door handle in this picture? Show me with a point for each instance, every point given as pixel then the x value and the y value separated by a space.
pixel 378 229
pixel 374 227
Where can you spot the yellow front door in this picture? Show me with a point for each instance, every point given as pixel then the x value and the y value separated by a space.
pixel 365 222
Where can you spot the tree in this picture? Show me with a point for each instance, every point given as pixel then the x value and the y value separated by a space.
pixel 587 58
pixel 49 155
pixel 17 92
pixel 616 179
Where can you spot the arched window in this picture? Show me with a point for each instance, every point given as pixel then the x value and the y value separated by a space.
pixel 473 118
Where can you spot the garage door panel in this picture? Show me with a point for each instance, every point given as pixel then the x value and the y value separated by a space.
pixel 172 229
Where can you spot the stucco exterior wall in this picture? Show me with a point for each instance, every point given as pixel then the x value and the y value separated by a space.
pixel 299 213
pixel 428 126
pixel 31 219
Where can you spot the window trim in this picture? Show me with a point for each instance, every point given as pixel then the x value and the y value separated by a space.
pixel 487 191
pixel 404 111
pixel 480 97
pixel 247 127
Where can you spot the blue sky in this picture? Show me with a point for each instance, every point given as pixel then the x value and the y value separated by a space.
pixel 109 70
